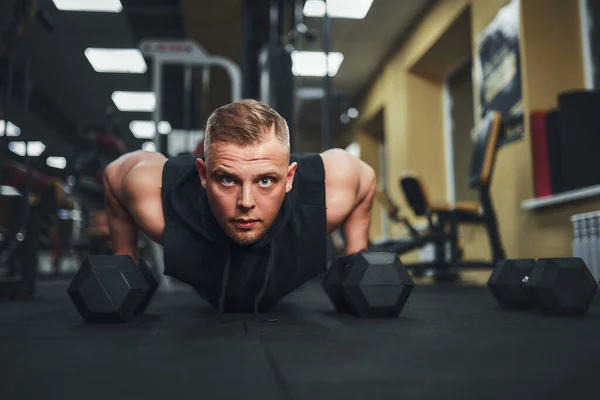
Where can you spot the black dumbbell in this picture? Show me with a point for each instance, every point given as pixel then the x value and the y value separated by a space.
pixel 508 284
pixel 152 283
pixel 332 284
pixel 111 289
pixel 556 286
pixel 368 284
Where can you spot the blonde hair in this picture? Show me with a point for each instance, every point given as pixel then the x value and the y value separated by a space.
pixel 245 123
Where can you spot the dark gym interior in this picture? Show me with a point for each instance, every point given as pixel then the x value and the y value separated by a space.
pixel 478 118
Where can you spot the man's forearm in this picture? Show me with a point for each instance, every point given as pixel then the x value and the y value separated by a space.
pixel 123 236
pixel 356 227
pixel 356 231
pixel 123 229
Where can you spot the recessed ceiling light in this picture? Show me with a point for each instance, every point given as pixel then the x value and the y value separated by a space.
pixel 146 130
pixel 142 129
pixel 352 9
pixel 134 101
pixel 312 63
pixel 18 148
pixel 113 6
pixel 9 128
pixel 56 162
pixel 116 60
pixel 314 8
pixel 34 149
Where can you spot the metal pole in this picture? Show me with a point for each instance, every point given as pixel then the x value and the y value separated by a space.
pixel 273 43
pixel 234 72
pixel 297 19
pixel 187 105
pixel 28 84
pixel 249 57
pixel 281 21
pixel 161 144
pixel 6 111
pixel 204 97
pixel 326 117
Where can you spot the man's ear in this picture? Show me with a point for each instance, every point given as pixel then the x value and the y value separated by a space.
pixel 201 167
pixel 290 176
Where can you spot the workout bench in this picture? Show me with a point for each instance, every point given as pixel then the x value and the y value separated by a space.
pixel 443 220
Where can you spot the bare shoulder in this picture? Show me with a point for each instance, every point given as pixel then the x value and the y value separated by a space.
pixel 145 159
pixel 144 177
pixel 347 182
pixel 344 169
pixel 133 171
pixel 135 179
pixel 338 163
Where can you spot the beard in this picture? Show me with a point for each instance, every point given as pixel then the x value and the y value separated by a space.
pixel 242 238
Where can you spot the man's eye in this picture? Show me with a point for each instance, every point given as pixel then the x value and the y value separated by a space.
pixel 264 182
pixel 227 181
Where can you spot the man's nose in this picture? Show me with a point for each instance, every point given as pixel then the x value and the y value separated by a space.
pixel 246 199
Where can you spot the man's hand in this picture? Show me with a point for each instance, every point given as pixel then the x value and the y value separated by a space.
pixel 356 227
pixel 123 229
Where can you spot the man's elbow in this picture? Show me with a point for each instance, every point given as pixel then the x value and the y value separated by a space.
pixel 116 171
pixel 110 174
pixel 352 170
pixel 368 177
pixel 113 177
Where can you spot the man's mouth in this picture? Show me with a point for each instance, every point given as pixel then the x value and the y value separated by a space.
pixel 245 223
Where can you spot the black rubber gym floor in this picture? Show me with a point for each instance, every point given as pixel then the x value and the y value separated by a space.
pixel 451 342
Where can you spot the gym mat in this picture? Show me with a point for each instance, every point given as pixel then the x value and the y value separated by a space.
pixel 451 342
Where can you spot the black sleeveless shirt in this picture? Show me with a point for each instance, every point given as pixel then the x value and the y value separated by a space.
pixel 244 278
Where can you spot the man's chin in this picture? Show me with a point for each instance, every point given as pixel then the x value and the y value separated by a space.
pixel 245 240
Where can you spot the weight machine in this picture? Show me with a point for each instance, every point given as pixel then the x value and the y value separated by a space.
pixel 188 54
pixel 443 220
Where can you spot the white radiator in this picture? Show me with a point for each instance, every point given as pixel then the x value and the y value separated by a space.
pixel 586 240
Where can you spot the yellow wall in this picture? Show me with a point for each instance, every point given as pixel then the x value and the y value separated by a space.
pixel 551 62
pixel 425 138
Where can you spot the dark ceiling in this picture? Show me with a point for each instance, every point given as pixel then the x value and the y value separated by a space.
pixel 68 96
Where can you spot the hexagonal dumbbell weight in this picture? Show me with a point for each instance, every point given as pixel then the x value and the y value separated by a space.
pixel 112 289
pixel 508 284
pixel 152 283
pixel 563 286
pixel 368 284
pixel 556 286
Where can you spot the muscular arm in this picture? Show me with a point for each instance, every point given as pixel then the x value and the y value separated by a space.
pixel 123 229
pixel 350 189
pixel 356 227
pixel 132 184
